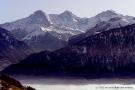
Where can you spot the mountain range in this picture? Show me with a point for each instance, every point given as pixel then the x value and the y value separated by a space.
pixel 109 53
pixel 37 29
pixel 67 44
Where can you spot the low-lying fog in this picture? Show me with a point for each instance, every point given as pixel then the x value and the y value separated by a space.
pixel 41 83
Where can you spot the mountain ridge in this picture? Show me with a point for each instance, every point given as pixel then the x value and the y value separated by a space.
pixel 62 26
pixel 11 49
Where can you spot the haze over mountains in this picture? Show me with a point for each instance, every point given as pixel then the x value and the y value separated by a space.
pixel 74 45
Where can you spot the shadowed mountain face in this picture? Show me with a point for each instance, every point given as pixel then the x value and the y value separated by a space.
pixel 46 42
pixel 11 49
pixel 110 52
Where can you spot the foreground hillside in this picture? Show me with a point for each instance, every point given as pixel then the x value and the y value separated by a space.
pixel 8 83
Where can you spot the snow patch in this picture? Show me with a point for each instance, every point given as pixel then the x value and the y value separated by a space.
pixel 46 29
pixel 125 20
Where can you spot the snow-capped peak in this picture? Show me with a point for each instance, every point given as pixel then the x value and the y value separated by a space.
pixel 107 15
pixel 40 17
pixel 39 13
pixel 68 14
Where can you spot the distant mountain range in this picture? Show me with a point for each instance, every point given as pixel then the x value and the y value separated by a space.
pixel 110 52
pixel 37 29
pixel 11 49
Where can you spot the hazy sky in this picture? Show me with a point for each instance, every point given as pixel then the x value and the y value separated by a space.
pixel 11 10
